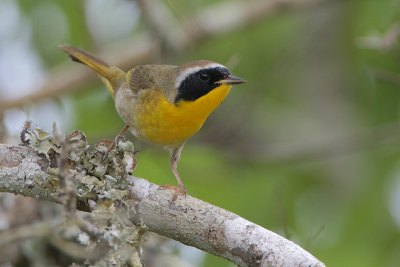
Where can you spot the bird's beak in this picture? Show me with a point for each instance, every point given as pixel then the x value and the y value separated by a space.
pixel 231 80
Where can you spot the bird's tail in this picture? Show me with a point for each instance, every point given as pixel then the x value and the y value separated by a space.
pixel 111 76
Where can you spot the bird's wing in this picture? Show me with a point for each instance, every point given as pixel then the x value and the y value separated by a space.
pixel 139 78
pixel 151 77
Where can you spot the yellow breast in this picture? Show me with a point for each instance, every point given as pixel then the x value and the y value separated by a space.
pixel 160 122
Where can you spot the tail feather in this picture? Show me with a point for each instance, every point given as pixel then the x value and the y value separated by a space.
pixel 111 75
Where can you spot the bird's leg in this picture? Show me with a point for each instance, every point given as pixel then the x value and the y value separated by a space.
pixel 173 163
pixel 112 143
pixel 120 134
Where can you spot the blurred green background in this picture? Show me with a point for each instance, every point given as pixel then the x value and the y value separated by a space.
pixel 308 148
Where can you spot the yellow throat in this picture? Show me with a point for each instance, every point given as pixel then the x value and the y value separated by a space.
pixel 163 123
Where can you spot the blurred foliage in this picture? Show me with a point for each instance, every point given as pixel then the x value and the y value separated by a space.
pixel 309 81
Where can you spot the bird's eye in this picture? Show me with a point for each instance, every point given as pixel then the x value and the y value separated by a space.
pixel 204 76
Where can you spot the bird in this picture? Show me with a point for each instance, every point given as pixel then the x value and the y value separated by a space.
pixel 163 104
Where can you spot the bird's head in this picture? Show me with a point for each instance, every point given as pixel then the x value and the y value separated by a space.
pixel 198 78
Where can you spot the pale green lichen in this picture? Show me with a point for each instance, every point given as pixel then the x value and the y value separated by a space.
pixel 39 140
pixel 100 170
pixel 98 174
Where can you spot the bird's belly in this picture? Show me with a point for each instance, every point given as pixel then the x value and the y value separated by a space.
pixel 165 132
pixel 160 122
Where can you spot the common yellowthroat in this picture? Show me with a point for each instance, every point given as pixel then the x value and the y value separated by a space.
pixel 163 104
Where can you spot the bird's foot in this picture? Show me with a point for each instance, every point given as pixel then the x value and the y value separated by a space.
pixel 179 190
pixel 112 143
pixel 105 146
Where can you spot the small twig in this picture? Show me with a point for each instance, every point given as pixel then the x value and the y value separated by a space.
pixel 388 41
pixel 317 233
pixel 385 76
pixel 41 229
pixel 375 137
pixel 76 250
pixel 67 195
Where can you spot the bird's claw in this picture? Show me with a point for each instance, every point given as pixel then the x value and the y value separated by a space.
pixel 179 190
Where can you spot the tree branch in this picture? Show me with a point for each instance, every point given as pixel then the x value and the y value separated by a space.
pixel 227 16
pixel 386 42
pixel 70 77
pixel 215 230
pixel 144 49
pixel 164 25
pixel 29 170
